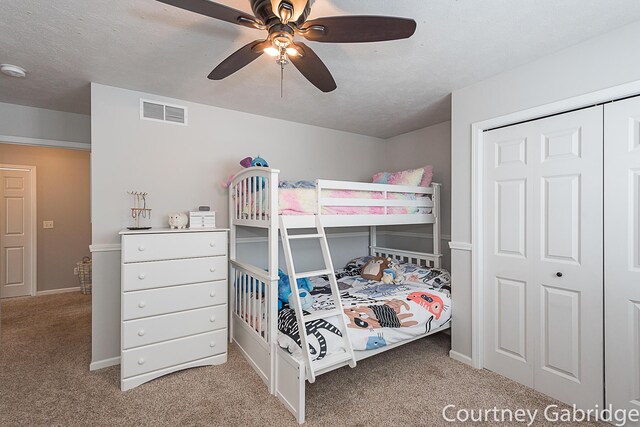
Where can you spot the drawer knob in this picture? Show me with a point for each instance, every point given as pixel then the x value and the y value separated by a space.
pixel 212 294
pixel 212 269
pixel 141 276
pixel 141 304
pixel 141 333
pixel 141 248
pixel 212 244
pixel 212 319
pixel 212 344
pixel 141 361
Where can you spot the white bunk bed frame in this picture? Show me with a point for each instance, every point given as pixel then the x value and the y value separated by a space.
pixel 284 375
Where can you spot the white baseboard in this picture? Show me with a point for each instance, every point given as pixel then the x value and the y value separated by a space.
pixel 100 364
pixel 58 291
pixel 460 357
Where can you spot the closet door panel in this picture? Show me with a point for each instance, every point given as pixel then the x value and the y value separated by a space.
pixel 569 257
pixel 543 255
pixel 508 346
pixel 622 253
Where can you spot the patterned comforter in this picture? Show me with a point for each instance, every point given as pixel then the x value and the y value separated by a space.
pixel 377 314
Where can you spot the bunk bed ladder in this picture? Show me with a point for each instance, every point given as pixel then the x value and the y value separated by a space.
pixel 334 359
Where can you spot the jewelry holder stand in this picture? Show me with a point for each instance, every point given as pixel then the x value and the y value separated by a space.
pixel 139 212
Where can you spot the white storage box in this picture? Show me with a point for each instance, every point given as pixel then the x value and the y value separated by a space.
pixel 200 219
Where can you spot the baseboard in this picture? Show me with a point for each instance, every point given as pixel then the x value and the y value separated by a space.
pixel 460 358
pixel 100 364
pixel 57 291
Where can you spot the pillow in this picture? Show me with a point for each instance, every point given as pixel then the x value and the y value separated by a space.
pixel 427 177
pixel 411 177
pixel 381 178
pixel 374 268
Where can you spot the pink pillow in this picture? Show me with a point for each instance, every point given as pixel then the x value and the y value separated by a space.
pixel 427 177
pixel 409 177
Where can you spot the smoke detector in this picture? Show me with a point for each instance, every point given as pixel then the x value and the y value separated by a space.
pixel 13 71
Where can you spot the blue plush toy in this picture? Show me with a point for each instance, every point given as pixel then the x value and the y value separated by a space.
pixel 285 295
pixel 248 162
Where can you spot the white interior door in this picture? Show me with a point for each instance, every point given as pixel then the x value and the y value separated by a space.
pixel 16 231
pixel 622 253
pixel 543 255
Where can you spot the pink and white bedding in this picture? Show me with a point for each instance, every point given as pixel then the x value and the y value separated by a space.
pixel 377 314
pixel 294 199
pixel 304 201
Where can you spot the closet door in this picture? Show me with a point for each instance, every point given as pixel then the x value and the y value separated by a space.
pixel 543 255
pixel 622 253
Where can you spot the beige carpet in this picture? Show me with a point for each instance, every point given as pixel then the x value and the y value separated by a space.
pixel 45 350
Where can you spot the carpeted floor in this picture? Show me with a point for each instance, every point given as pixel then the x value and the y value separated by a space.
pixel 45 350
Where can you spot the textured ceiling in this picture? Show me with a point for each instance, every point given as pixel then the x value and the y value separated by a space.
pixel 384 89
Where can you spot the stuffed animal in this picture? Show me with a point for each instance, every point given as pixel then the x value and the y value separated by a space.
pixel 398 277
pixel 373 269
pixel 306 300
pixel 284 291
pixel 178 220
pixel 248 162
pixel 388 275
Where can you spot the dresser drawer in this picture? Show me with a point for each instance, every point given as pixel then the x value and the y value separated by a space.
pixel 154 247
pixel 157 274
pixel 157 356
pixel 150 330
pixel 155 302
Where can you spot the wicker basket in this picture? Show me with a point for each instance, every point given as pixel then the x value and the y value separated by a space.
pixel 84 275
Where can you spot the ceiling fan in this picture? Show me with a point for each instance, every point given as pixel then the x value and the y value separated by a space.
pixel 283 19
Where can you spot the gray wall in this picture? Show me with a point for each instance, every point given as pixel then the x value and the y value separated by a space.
pixel 62 195
pixel 427 146
pixel 29 122
pixel 596 64
pixel 181 167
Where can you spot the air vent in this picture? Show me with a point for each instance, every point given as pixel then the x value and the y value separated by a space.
pixel 150 110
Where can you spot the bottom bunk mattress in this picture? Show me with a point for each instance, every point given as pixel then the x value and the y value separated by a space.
pixel 377 314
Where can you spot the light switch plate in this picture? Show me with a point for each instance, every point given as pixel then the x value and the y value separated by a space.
pixel 47 224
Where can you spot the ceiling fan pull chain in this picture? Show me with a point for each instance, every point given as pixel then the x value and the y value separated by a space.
pixel 281 79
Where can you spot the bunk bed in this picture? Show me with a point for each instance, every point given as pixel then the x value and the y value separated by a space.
pixel 255 200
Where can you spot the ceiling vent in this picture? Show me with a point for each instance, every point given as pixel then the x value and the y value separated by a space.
pixel 152 110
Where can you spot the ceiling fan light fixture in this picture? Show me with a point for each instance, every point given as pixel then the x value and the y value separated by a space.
pixel 292 51
pixel 272 51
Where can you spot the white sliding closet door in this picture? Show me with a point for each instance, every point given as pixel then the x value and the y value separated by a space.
pixel 622 253
pixel 543 255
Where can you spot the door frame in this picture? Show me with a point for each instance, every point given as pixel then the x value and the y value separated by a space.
pixel 34 222
pixel 477 157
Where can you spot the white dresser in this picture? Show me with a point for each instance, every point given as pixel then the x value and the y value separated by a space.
pixel 174 302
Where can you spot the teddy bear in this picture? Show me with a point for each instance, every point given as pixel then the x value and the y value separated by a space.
pixel 178 220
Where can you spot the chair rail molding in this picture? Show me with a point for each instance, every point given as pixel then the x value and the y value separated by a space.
pixel 461 246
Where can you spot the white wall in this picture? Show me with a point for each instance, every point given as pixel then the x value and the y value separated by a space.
pixel 427 146
pixel 18 123
pixel 596 64
pixel 181 167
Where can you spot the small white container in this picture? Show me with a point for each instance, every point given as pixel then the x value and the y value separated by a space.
pixel 198 219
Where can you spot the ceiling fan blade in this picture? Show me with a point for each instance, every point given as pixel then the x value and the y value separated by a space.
pixel 240 58
pixel 215 10
pixel 358 29
pixel 312 67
